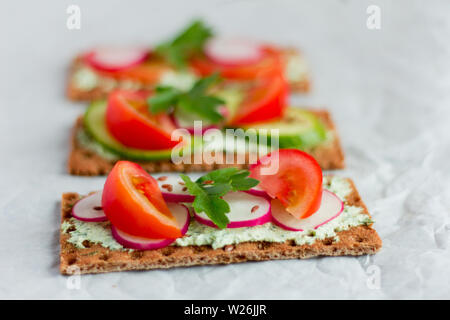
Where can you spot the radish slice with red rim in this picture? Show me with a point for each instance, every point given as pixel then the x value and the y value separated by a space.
pixel 115 58
pixel 181 214
pixel 89 208
pixel 246 210
pixel 173 189
pixel 330 208
pixel 258 192
pixel 233 51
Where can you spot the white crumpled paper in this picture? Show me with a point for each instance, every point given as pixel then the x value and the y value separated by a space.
pixel 388 91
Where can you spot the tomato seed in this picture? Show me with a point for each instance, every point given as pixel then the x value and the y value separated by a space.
pixel 162 178
pixel 255 208
pixel 167 186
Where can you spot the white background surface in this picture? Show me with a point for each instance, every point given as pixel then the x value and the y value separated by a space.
pixel 389 93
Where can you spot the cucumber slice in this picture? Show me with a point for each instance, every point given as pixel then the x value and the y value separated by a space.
pixel 233 98
pixel 94 124
pixel 299 129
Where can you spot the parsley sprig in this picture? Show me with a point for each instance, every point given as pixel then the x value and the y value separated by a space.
pixel 210 188
pixel 186 44
pixel 195 101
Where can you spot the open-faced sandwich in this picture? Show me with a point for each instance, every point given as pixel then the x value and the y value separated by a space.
pixel 227 119
pixel 193 53
pixel 282 208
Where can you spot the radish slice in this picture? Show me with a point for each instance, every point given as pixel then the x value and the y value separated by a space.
pixel 181 214
pixel 90 208
pixel 256 191
pixel 246 210
pixel 331 207
pixel 233 51
pixel 223 110
pixel 173 189
pixel 115 59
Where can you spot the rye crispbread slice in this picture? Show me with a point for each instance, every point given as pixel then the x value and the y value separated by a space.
pixel 359 240
pixel 85 162
pixel 100 92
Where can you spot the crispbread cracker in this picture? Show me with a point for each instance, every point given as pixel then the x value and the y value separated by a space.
pixel 302 85
pixel 101 92
pixel 94 258
pixel 85 162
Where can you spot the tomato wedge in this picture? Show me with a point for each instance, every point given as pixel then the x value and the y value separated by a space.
pixel 270 64
pixel 133 203
pixel 297 182
pixel 130 122
pixel 148 73
pixel 266 101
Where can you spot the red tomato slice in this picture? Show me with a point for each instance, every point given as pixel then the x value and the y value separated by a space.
pixel 133 203
pixel 297 183
pixel 130 122
pixel 269 65
pixel 146 73
pixel 264 102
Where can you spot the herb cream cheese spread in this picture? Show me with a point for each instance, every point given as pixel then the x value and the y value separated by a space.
pixel 86 79
pixel 296 69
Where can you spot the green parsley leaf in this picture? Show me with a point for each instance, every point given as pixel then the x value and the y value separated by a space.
pixel 195 101
pixel 214 207
pixel 164 98
pixel 203 84
pixel 241 182
pixel 221 175
pixel 209 189
pixel 204 107
pixel 186 44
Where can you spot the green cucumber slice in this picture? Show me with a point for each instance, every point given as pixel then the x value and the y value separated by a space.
pixel 95 126
pixel 233 98
pixel 299 129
